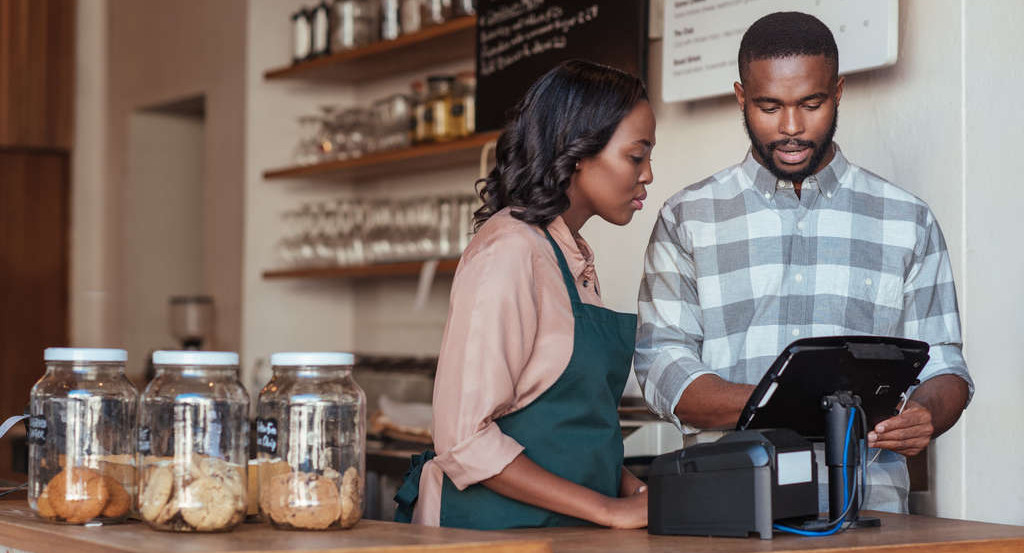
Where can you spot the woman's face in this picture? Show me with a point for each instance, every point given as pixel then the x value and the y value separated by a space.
pixel 612 184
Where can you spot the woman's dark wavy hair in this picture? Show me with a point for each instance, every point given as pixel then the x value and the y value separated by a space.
pixel 568 115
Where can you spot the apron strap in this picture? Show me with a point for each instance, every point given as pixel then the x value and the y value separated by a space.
pixel 409 492
pixel 570 282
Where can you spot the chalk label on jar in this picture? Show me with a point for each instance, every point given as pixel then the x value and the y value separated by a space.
pixel 266 436
pixel 145 444
pixel 37 430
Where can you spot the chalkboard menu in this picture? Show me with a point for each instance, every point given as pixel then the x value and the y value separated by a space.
pixel 520 40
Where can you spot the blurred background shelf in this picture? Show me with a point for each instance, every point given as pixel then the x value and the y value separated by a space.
pixel 433 45
pixel 423 157
pixel 407 268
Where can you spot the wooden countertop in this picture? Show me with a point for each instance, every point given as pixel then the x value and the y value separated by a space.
pixel 898 534
pixel 20 529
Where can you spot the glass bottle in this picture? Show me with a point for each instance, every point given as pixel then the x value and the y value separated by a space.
pixel 320 22
pixel 193 443
pixel 390 19
pixel 436 12
pixel 302 36
pixel 439 106
pixel 81 442
pixel 412 16
pixel 464 7
pixel 311 441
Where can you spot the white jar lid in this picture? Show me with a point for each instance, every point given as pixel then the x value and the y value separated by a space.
pixel 311 359
pixel 190 357
pixel 98 355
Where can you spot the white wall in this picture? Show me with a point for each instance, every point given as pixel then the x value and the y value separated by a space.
pixel 993 259
pixel 162 227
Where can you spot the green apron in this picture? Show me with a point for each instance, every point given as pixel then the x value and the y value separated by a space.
pixel 571 430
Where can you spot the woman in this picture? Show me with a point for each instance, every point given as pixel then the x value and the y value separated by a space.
pixel 532 368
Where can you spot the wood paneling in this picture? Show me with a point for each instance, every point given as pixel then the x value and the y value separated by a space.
pixel 37 40
pixel 34 245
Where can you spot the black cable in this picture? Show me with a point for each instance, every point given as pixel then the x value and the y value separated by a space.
pixel 14 489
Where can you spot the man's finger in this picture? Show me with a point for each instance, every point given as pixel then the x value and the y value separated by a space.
pixel 911 417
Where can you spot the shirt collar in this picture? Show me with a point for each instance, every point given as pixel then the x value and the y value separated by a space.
pixel 578 254
pixel 827 180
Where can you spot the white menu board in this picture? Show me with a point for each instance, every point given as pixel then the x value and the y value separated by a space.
pixel 702 39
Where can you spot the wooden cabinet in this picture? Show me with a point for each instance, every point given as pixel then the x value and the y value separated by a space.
pixel 37 59
pixel 34 246
pixel 37 40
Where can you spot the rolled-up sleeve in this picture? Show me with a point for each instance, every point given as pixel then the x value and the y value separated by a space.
pixel 488 339
pixel 930 311
pixel 670 330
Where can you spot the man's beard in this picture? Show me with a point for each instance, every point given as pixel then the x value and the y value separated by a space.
pixel 818 154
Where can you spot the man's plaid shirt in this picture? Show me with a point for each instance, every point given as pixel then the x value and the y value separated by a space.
pixel 738 267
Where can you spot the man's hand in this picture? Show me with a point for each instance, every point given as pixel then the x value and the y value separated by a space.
pixel 932 409
pixel 907 433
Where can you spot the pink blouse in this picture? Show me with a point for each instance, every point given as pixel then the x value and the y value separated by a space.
pixel 508 337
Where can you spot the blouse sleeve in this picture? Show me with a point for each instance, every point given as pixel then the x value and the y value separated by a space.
pixel 488 339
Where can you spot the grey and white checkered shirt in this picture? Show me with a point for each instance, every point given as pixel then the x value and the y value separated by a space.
pixel 738 267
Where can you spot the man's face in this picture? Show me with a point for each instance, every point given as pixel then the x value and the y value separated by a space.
pixel 790 108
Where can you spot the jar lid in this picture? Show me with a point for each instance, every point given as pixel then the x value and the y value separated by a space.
pixel 164 357
pixel 311 358
pixel 100 355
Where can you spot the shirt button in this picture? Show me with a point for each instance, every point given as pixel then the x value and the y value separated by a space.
pixel 796 332
pixel 585 283
pixel 767 196
pixel 828 194
pixel 867 281
pixel 799 278
pixel 800 225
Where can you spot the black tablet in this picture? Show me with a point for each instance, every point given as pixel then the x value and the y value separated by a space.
pixel 879 369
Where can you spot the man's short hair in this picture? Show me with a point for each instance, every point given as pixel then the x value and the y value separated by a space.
pixel 786 34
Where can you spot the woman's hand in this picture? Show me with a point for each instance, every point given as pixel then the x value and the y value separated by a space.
pixel 631 485
pixel 524 480
pixel 626 512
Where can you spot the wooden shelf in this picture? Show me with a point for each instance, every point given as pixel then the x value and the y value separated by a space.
pixel 442 43
pixel 417 158
pixel 404 269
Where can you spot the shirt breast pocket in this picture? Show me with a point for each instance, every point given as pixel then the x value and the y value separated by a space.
pixel 875 304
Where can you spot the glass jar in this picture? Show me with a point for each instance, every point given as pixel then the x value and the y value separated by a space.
pixel 81 442
pixel 439 107
pixel 464 104
pixel 354 24
pixel 393 117
pixel 311 440
pixel 193 443
pixel 421 129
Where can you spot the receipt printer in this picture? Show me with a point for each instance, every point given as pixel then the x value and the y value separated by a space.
pixel 739 484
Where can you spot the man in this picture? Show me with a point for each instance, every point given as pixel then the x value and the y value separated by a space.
pixel 793 242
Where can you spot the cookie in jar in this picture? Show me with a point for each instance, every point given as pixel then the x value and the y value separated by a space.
pixel 193 443
pixel 311 439
pixel 80 437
